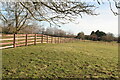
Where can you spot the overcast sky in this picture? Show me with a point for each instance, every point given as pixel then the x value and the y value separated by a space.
pixel 106 22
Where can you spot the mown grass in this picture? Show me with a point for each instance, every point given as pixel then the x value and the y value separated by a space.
pixel 66 60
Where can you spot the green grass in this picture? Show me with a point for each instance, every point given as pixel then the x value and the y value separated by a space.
pixel 66 60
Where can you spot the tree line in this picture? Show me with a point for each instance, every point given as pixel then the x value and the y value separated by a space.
pixel 98 36
pixel 55 31
pixel 16 17
pixel 35 28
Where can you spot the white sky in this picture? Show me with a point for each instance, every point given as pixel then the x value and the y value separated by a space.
pixel 106 22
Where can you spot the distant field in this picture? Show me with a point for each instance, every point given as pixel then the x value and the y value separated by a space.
pixel 65 60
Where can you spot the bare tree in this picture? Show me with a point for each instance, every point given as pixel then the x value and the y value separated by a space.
pixel 49 31
pixel 52 11
pixel 14 15
pixel 94 37
pixel 80 35
pixel 109 37
pixel 17 14
pixel 32 28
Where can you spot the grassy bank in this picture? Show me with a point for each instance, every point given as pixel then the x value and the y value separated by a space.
pixel 66 60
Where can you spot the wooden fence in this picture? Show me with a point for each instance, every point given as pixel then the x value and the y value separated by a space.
pixel 15 40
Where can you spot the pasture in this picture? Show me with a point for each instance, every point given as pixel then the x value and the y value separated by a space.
pixel 77 59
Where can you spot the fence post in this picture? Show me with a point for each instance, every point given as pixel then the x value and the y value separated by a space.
pixel 42 39
pixel 14 45
pixel 65 40
pixel 47 38
pixel 35 39
pixel 51 39
pixel 70 39
pixel 58 39
pixel 26 40
pixel 55 40
pixel 61 39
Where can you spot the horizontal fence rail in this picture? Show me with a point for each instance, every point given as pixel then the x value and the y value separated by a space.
pixel 15 40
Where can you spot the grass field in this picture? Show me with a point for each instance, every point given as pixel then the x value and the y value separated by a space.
pixel 66 60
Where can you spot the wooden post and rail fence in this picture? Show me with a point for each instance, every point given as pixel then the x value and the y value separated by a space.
pixel 15 40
